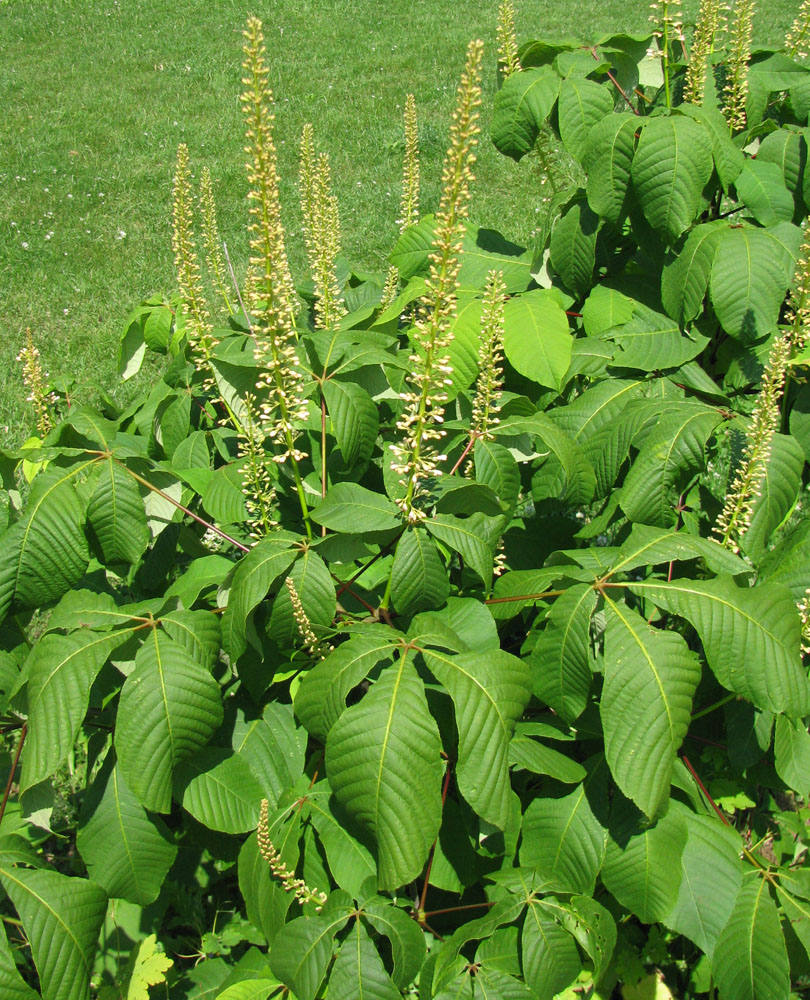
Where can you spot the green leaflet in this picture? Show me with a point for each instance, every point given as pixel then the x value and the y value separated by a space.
pixel 252 579
pixel 116 515
pixel 62 917
pixel 273 749
pixel 650 679
pixel 61 671
pixel 536 338
pixel 358 970
pixel 521 108
pixel 383 762
pixel 750 961
pixel 564 841
pixel 750 637
pixel 549 955
pixel 350 507
pixel 760 187
pixel 219 789
pixel 126 852
pixel 11 982
pixel 418 577
pixel 582 104
pixel 169 708
pixel 608 157
pixel 573 248
pixel 490 691
pixel 672 164
pixel 302 952
pixel 354 419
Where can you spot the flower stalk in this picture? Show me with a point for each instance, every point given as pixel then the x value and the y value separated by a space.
pixel 416 459
pixel 736 90
pixel 489 385
pixel 711 22
pixel 508 61
pixel 409 203
pixel 35 379
pixel 797 40
pixel 668 29
pixel 210 232
pixel 269 293
pixel 268 850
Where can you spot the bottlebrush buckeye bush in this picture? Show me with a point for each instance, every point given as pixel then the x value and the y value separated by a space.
pixel 440 632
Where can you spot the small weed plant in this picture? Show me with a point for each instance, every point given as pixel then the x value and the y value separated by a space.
pixel 440 632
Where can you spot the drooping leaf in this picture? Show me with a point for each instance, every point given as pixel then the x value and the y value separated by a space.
pixel 791 751
pixel 646 706
pixel 561 673
pixel 169 708
pixel 358 970
pixel 61 671
pixel 750 637
pixel 471 537
pixel 253 578
pixel 672 164
pixel 672 452
pixel 685 279
pixel 607 161
pixel 418 577
pixel 350 862
pixel 321 697
pixel 316 592
pixel 549 955
pixel 594 928
pixel 496 467
pixel 711 874
pixel 750 960
pixel 407 940
pixel 564 841
pixel 532 755
pixel 354 419
pixel 383 762
pixel 582 104
pixel 198 632
pixel 126 852
pixel 302 952
pixel 62 917
pixel 273 748
pixel 116 515
pixel 643 863
pixel 490 690
pixel 11 982
pixel 521 108
pixel 537 341
pixel 219 789
pixel 573 247
pixel 352 508
pixel 761 188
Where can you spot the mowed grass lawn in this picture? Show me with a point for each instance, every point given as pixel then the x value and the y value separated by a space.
pixel 96 95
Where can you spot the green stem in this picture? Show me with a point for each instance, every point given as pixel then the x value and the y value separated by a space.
pixel 712 708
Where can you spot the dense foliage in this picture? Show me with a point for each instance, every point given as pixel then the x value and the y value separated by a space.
pixel 440 632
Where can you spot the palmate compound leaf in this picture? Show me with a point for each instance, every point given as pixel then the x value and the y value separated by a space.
pixel 490 691
pixel 169 708
pixel 751 637
pixel 12 986
pixel 61 671
pixel 62 918
pixel 359 971
pixel 671 166
pixel 125 851
pixel 383 760
pixel 750 959
pixel 650 679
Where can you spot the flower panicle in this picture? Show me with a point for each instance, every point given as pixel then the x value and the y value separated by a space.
pixel 319 208
pixel 711 22
pixel 189 280
pixel 735 518
pixel 735 93
pixel 508 60
pixel 798 315
pixel 415 457
pixel 269 292
pixel 797 40
pixel 214 260
pixel 268 850
pixel 257 482
pixel 489 385
pixel 35 379
pixel 665 17
pixel 409 203
pixel 803 607
pixel 313 645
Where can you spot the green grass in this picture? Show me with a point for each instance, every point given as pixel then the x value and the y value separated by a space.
pixel 98 93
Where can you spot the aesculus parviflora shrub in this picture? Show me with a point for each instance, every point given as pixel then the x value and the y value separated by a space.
pixel 440 632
